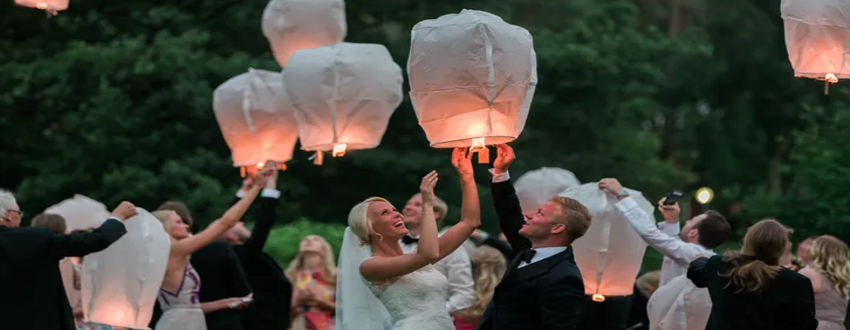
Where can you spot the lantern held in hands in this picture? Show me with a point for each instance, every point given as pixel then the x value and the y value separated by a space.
pixel 80 212
pixel 536 187
pixel 290 25
pixel 51 6
pixel 816 34
pixel 344 95
pixel 472 78
pixel 610 253
pixel 679 305
pixel 120 284
pixel 256 119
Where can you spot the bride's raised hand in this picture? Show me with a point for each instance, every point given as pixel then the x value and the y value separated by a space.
pixel 462 161
pixel 427 186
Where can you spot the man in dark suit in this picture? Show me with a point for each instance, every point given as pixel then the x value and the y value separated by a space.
pixel 542 288
pixel 33 295
pixel 272 290
pixel 221 274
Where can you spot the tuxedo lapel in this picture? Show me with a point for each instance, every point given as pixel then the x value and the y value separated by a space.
pixel 541 267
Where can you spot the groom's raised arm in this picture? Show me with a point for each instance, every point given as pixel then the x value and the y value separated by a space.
pixel 506 201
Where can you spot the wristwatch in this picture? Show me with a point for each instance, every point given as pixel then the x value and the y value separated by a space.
pixel 623 193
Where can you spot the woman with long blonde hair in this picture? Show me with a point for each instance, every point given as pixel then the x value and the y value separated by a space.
pixel 749 289
pixel 829 271
pixel 488 267
pixel 178 294
pixel 313 276
pixel 382 288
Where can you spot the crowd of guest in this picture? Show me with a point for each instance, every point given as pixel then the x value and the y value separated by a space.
pixel 219 277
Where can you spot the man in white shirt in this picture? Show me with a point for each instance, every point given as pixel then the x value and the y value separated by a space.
pixel 697 238
pixel 456 267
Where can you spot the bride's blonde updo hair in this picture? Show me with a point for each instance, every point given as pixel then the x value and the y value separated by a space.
pixel 358 220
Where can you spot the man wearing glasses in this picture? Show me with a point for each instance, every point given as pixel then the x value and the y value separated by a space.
pixel 33 293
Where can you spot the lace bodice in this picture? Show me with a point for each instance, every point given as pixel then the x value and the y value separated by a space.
pixel 417 301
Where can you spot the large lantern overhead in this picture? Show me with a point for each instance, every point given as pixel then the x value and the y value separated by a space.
pixel 256 118
pixel 816 34
pixel 610 253
pixel 120 283
pixel 344 95
pixel 290 25
pixel 536 187
pixel 472 78
pixel 51 6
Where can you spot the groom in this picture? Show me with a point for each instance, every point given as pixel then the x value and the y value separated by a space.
pixel 542 288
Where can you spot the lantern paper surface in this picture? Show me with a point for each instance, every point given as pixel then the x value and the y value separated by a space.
pixel 472 76
pixel 290 25
pixel 49 5
pixel 255 117
pixel 610 254
pixel 80 212
pixel 120 283
pixel 535 188
pixel 679 305
pixel 344 94
pixel 816 35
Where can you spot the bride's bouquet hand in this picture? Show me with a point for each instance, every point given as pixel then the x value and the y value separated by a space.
pixel 427 186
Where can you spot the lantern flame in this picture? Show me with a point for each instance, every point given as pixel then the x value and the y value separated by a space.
pixel 339 150
pixel 598 297
pixel 41 5
pixel 830 79
pixel 481 148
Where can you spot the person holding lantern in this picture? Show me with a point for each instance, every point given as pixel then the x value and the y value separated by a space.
pixel 382 288
pixel 698 237
pixel 542 288
pixel 178 296
pixel 31 255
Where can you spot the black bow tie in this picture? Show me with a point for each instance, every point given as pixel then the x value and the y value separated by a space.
pixel 527 255
pixel 407 240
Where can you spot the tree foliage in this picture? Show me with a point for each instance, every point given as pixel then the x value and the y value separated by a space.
pixel 113 100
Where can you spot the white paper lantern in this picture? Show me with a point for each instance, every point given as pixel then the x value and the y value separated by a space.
pixel 679 305
pixel 472 78
pixel 344 95
pixel 80 212
pixel 610 253
pixel 51 6
pixel 535 188
pixel 120 284
pixel 816 34
pixel 256 119
pixel 290 25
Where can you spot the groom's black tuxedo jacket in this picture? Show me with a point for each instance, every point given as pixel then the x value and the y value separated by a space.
pixel 541 296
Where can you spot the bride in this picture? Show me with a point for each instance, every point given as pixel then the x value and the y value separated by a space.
pixel 380 287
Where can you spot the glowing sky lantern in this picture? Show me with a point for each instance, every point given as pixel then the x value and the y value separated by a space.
pixel 51 6
pixel 536 187
pixel 256 119
pixel 679 305
pixel 120 283
pixel 80 212
pixel 472 78
pixel 290 25
pixel 816 35
pixel 344 95
pixel 610 254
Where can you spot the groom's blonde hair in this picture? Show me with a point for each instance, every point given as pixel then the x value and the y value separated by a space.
pixel 358 220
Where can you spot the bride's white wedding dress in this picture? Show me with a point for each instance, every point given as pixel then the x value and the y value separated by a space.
pixel 417 301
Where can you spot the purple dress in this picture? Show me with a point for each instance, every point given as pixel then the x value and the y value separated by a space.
pixel 181 310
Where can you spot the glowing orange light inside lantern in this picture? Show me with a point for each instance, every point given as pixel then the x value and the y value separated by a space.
pixel 41 5
pixel 339 150
pixel 480 147
pixel 598 297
